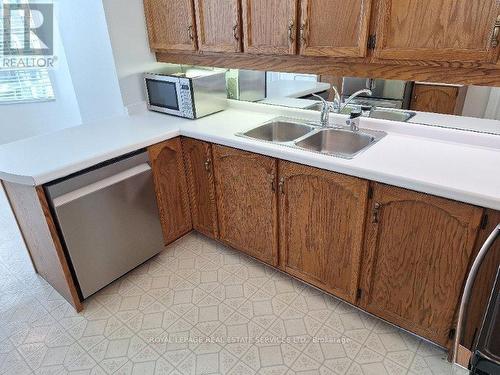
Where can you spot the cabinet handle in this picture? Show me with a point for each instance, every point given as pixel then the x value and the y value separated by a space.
pixel 303 33
pixel 375 211
pixel 207 165
pixel 273 183
pixel 282 185
pixel 190 32
pixel 291 28
pixel 496 33
pixel 235 32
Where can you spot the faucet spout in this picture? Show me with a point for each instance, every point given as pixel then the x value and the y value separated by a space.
pixel 353 96
pixel 336 100
pixel 336 106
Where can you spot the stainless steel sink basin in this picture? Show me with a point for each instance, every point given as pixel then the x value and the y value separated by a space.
pixel 339 142
pixel 301 134
pixel 279 130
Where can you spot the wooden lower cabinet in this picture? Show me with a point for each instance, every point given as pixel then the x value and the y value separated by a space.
pixel 201 186
pixel 398 254
pixel 247 202
pixel 171 188
pixel 417 251
pixel 322 217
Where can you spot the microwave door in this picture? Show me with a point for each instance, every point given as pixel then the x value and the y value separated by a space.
pixel 163 94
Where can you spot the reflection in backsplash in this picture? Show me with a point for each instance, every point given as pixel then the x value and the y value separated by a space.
pixel 437 104
pixel 246 85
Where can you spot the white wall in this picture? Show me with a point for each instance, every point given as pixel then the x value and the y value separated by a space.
pixel 85 81
pixel 25 120
pixel 129 40
pixel 85 37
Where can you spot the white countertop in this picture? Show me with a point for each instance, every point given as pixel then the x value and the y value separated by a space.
pixel 294 89
pixel 457 122
pixel 289 102
pixel 453 164
pixel 41 159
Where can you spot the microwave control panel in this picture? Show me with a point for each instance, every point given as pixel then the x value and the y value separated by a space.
pixel 186 96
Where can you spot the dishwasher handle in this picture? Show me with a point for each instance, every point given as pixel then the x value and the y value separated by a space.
pixel 100 185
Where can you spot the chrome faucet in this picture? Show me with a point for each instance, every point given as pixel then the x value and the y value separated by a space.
pixel 336 100
pixel 336 106
pixel 353 96
pixel 325 111
pixel 327 107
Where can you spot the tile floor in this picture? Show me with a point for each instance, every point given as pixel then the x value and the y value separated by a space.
pixel 197 308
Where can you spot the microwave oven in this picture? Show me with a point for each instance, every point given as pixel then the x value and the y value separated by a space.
pixel 192 93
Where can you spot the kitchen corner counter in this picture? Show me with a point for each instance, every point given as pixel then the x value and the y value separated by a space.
pixel 41 159
pixel 458 165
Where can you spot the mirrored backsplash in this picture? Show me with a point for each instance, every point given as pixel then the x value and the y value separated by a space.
pixel 473 108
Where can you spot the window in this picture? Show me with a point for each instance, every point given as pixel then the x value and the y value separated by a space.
pixel 22 85
pixel 25 85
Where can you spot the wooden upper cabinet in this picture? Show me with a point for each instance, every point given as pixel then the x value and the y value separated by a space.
pixel 218 25
pixel 171 188
pixel 201 186
pixel 440 30
pixel 322 217
pixel 417 251
pixel 435 98
pixel 171 25
pixel 247 202
pixel 269 26
pixel 335 28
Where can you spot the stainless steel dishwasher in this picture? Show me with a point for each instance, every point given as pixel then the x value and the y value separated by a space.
pixel 108 219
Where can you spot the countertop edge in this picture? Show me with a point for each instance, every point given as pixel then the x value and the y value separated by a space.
pixel 262 148
pixel 181 127
pixel 85 163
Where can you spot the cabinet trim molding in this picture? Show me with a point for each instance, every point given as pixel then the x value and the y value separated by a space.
pixel 446 72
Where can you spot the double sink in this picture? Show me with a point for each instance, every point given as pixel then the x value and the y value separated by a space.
pixel 335 141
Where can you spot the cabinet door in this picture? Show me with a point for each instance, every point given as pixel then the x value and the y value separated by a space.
pixel 170 24
pixel 417 251
pixel 247 202
pixel 270 26
pixel 199 173
pixel 336 28
pixel 440 30
pixel 171 188
pixel 433 98
pixel 218 25
pixel 322 217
